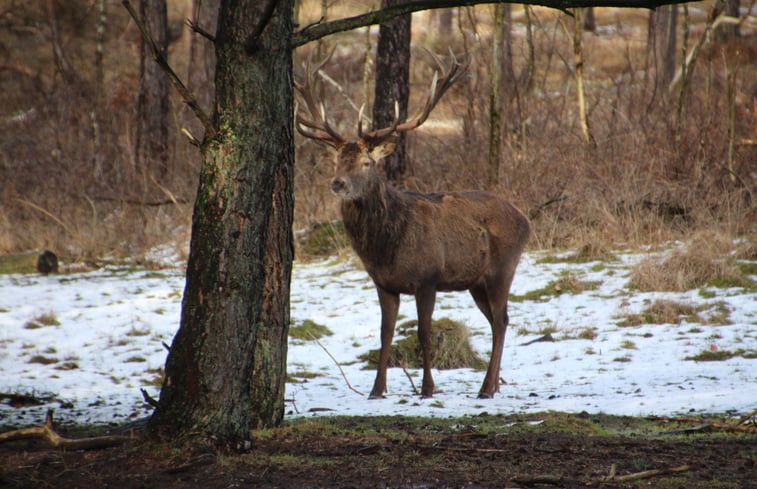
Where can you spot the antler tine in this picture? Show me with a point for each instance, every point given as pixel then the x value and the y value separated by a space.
pixel 386 131
pixel 437 89
pixel 322 129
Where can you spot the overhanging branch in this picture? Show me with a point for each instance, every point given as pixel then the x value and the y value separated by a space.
pixel 318 31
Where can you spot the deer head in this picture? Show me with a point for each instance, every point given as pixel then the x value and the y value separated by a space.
pixel 355 165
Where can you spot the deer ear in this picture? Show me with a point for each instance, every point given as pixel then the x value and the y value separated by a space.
pixel 383 149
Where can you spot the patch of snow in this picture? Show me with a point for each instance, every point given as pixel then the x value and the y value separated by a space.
pixel 113 322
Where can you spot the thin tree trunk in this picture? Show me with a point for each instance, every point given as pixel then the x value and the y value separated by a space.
pixel 151 140
pixel 393 84
pixel 495 95
pixel 579 61
pixel 661 48
pixel 97 106
pixel 226 369
pixel 727 30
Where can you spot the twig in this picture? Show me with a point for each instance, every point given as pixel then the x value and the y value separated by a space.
pixel 344 376
pixel 650 473
pixel 48 214
pixel 160 58
pixel 199 30
pixel 404 369
pixel 148 398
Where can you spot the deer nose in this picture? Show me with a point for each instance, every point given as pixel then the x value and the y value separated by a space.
pixel 337 185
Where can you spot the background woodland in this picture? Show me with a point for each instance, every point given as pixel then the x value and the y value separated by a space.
pixel 614 126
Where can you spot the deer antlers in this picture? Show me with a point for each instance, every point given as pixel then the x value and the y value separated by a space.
pixel 319 128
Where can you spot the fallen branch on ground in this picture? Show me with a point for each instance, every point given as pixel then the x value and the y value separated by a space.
pixel 46 432
pixel 344 376
pixel 643 475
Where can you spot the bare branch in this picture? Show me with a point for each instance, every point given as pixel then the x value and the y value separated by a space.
pixel 199 30
pixel 160 58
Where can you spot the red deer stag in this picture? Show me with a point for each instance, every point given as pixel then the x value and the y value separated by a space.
pixel 416 243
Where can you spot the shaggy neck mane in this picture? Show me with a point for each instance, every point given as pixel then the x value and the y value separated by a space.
pixel 376 223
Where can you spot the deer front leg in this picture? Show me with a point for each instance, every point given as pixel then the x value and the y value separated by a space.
pixel 424 301
pixel 390 304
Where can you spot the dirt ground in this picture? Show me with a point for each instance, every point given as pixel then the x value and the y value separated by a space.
pixel 552 451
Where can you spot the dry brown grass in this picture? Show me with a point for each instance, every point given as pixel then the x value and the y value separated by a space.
pixel 674 312
pixel 651 177
pixel 706 259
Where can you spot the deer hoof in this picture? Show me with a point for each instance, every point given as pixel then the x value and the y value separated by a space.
pixel 484 395
pixel 376 396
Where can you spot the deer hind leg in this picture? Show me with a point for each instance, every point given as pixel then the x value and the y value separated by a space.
pixel 492 300
pixel 424 301
pixel 390 304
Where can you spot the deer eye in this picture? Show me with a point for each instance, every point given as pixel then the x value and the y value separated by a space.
pixel 366 163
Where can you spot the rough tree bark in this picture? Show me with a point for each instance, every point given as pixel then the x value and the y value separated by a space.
pixel 393 84
pixel 661 47
pixel 226 369
pixel 151 140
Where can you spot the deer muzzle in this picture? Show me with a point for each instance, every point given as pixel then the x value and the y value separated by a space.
pixel 338 185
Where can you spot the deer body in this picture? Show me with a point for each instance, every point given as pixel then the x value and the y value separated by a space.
pixel 418 244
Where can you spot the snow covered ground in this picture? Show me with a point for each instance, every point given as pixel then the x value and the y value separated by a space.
pixel 104 344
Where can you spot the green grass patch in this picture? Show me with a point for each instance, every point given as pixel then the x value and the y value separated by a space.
pixel 19 263
pixel 309 330
pixel 449 340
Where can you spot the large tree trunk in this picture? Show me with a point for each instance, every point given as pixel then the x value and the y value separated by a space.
pixel 151 141
pixel 226 370
pixel 393 84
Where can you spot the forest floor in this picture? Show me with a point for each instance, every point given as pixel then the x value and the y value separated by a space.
pixel 524 451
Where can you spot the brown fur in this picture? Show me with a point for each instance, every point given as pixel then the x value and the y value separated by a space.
pixel 413 243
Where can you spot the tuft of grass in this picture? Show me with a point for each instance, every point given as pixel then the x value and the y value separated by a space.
pixel 706 260
pixel 41 359
pixel 322 240
pixel 308 330
pixel 568 284
pixel 672 312
pixel 588 333
pixel 47 319
pixel 721 355
pixel 301 375
pixel 135 331
pixel 450 342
